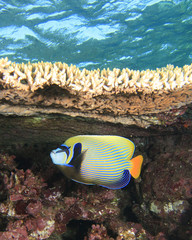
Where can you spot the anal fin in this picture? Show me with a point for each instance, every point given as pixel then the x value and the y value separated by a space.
pixel 122 182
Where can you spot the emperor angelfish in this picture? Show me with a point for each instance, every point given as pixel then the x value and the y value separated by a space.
pixel 102 160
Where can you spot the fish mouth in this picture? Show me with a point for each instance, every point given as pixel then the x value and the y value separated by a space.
pixel 53 155
pixel 58 156
pixel 52 152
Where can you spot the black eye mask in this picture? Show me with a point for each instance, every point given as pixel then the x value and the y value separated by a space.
pixel 65 149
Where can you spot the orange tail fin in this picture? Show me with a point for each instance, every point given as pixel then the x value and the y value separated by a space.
pixel 136 166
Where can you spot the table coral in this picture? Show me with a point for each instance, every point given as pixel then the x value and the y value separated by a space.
pixel 108 95
pixel 96 82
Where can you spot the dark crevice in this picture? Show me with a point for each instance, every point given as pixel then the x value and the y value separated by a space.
pixel 3 223
pixel 77 229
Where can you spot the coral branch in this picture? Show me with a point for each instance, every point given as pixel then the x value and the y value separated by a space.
pixel 68 90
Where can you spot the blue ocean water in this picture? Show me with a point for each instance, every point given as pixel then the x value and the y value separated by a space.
pixel 137 34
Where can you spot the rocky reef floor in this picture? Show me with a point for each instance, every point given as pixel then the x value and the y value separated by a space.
pixel 38 202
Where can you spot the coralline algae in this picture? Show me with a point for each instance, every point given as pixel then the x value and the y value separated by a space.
pixel 33 210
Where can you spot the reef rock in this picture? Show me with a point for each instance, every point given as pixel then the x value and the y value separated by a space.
pixel 43 104
pixel 166 189
pixel 56 98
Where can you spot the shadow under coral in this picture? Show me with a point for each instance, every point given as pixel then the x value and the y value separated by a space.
pixel 38 202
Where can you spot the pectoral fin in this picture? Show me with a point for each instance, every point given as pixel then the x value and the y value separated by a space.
pixel 78 157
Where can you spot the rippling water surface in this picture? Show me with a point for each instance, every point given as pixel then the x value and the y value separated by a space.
pixel 137 34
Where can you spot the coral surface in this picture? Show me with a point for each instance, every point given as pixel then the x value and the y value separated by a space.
pixel 30 209
pixel 35 75
pixel 37 202
pixel 108 95
pixel 166 188
pixel 129 231
pixel 23 206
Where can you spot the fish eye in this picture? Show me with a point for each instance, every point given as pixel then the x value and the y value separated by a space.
pixel 64 148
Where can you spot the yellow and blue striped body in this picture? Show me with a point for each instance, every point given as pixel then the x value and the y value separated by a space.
pixel 94 159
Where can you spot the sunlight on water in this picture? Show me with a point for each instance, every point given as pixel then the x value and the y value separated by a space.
pixel 98 34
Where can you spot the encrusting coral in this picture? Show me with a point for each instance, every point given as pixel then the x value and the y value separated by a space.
pixel 117 92
pixel 23 207
pixel 166 188
pixel 128 231
pixel 30 209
